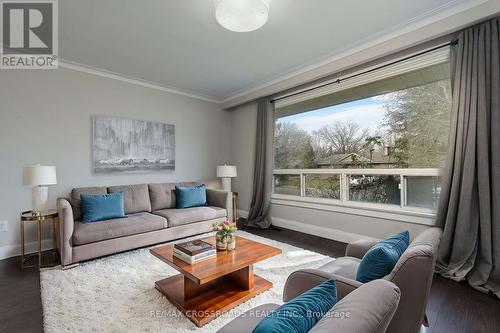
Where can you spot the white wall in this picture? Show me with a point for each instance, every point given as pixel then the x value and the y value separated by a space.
pixel 45 117
pixel 339 226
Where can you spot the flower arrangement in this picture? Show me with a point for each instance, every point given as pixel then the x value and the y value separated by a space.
pixel 224 226
pixel 225 239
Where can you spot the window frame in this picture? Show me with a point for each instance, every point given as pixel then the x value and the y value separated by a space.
pixel 400 213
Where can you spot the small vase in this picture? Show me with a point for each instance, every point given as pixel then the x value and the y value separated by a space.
pixel 220 240
pixel 231 241
pixel 225 241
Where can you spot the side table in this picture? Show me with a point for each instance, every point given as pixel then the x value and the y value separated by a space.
pixel 27 216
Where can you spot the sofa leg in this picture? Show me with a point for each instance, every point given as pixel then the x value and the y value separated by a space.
pixel 70 266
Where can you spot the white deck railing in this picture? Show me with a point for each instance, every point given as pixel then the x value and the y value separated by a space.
pixel 348 178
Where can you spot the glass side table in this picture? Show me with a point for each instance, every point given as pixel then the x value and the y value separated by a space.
pixel 50 215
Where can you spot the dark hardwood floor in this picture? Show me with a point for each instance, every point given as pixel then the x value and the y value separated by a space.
pixel 453 306
pixel 20 303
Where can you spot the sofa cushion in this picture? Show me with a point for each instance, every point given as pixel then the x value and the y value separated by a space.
pixel 85 233
pixel 76 202
pixel 343 266
pixel 301 313
pixel 136 197
pixel 382 257
pixel 102 207
pixel 183 216
pixel 162 196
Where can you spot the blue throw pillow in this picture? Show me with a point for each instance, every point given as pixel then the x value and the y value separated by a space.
pixel 301 313
pixel 102 207
pixel 191 196
pixel 382 257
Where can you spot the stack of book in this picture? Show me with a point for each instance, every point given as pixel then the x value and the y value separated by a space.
pixel 194 251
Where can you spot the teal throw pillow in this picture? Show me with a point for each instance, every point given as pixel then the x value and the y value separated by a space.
pixel 102 207
pixel 191 196
pixel 382 257
pixel 301 313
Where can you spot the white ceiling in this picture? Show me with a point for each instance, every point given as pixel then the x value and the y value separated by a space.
pixel 178 43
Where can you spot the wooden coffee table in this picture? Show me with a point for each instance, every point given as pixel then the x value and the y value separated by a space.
pixel 205 290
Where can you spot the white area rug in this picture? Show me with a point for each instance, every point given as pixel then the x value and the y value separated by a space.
pixel 117 294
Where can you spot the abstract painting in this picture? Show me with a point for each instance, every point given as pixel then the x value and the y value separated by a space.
pixel 132 145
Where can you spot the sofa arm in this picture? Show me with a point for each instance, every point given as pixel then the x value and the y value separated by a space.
pixel 369 308
pixel 222 199
pixel 304 279
pixel 66 226
pixel 345 286
pixel 358 248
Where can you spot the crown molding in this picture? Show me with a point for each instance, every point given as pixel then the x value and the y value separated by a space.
pixel 133 80
pixel 438 22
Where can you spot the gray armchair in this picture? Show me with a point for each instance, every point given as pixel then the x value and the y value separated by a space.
pixel 413 275
pixel 368 309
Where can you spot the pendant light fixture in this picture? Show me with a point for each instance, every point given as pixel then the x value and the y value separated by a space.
pixel 242 15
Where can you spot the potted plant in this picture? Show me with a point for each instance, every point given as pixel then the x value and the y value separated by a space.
pixel 225 239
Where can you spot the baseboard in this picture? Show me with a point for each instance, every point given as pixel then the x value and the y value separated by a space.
pixel 330 233
pixel 8 251
pixel 242 213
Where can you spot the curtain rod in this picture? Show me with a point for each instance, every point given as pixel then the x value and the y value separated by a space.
pixel 454 42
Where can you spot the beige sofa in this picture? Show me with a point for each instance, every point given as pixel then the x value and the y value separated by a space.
pixel 152 217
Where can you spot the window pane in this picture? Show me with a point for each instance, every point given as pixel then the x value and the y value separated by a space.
pixel 376 189
pixel 407 128
pixel 322 186
pixel 287 184
pixel 423 191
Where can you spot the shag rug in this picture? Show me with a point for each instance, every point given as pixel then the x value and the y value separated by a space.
pixel 117 293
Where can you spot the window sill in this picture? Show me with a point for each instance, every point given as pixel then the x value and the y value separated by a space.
pixel 387 212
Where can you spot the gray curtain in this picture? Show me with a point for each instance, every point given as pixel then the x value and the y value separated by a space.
pixel 258 215
pixel 469 207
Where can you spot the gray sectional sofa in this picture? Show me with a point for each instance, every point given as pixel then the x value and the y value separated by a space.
pixel 152 217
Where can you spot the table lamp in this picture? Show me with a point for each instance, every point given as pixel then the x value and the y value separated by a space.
pixel 226 172
pixel 39 176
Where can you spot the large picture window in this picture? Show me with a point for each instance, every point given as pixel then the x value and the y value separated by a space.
pixel 380 142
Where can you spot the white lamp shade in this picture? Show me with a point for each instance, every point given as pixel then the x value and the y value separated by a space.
pixel 242 15
pixel 37 175
pixel 226 171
